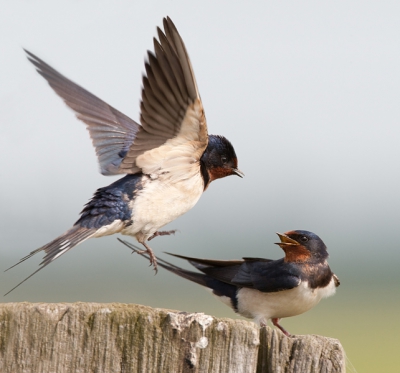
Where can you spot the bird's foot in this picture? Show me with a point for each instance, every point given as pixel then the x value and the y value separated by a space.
pixel 161 233
pixel 276 323
pixel 152 257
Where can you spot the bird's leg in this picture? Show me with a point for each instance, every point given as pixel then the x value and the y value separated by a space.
pixel 276 323
pixel 149 251
pixel 161 233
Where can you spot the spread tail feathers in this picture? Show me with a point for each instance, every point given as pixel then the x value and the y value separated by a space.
pixel 57 247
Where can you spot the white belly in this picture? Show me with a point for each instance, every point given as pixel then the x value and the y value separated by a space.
pixel 263 306
pixel 162 201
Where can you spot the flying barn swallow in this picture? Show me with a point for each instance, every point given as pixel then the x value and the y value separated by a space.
pixel 264 289
pixel 169 158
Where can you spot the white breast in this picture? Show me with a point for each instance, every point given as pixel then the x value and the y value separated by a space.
pixel 162 200
pixel 263 306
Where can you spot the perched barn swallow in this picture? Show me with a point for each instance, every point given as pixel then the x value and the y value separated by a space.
pixel 264 289
pixel 169 158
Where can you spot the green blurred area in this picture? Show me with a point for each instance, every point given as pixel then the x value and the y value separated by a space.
pixel 367 327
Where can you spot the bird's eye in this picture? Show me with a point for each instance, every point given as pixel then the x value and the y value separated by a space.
pixel 224 159
pixel 304 239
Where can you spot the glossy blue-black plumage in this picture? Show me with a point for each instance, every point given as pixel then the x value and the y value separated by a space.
pixel 111 203
pixel 219 150
pixel 314 244
pixel 222 289
pixel 268 276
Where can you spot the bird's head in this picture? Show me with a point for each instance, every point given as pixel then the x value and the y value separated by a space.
pixel 219 159
pixel 302 246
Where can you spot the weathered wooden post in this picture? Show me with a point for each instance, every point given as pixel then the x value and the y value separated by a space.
pixel 108 338
pixel 299 354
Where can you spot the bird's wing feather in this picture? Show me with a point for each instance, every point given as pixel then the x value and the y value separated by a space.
pixel 112 132
pixel 257 273
pixel 173 134
pixel 267 277
pixel 248 259
pixel 227 276
pixel 208 262
pixel 173 131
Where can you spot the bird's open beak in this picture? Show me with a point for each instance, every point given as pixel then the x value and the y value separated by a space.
pixel 237 172
pixel 285 240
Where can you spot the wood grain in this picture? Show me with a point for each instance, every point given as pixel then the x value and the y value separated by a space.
pixel 124 338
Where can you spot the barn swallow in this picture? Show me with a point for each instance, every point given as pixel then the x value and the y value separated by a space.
pixel 264 289
pixel 169 158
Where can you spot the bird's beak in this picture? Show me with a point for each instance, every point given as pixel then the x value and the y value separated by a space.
pixel 237 172
pixel 285 240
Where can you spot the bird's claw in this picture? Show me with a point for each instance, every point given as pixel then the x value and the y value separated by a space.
pixel 152 257
pixel 153 262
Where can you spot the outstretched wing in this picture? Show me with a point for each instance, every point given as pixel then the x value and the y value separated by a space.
pixel 112 132
pixel 173 130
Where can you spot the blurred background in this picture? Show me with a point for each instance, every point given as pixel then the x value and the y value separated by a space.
pixel 308 93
